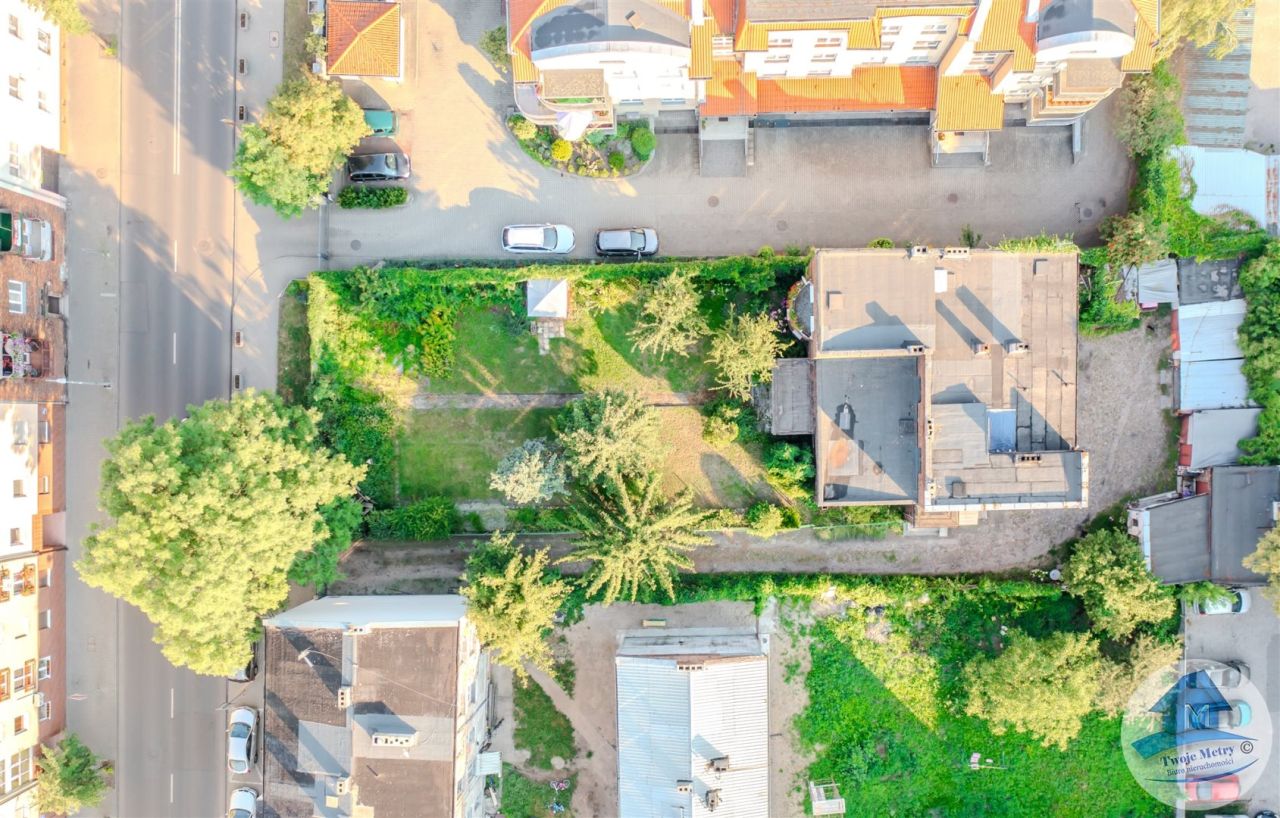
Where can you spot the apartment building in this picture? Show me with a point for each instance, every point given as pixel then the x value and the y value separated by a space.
pixel 966 68
pixel 30 109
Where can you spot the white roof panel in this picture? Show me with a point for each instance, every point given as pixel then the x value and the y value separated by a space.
pixel 1158 282
pixel 442 610
pixel 547 297
pixel 653 738
pixel 1232 178
pixel 729 711
pixel 1213 435
pixel 1207 332
pixel 1212 385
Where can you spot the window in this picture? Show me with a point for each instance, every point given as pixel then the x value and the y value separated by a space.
pixel 4 684
pixel 22 681
pixel 15 160
pixel 721 46
pixel 918 59
pixel 46 578
pixel 820 72
pixel 44 484
pixel 20 432
pixel 19 490
pixel 779 42
pixel 827 42
pixel 879 59
pixel 828 57
pixel 927 45
pixel 44 430
pixel 19 725
pixel 44 41
pixel 15 86
pixel 15 536
pixel 777 58
pixel 44 669
pixel 46 620
pixel 20 769
pixel 46 710
pixel 42 101
pixel 15 28
pixel 895 29
pixel 17 297
pixel 937 28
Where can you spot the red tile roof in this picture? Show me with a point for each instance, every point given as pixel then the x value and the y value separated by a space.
pixel 363 38
pixel 881 88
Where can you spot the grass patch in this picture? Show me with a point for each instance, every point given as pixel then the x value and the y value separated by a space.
pixel 540 728
pixel 522 797
pixel 293 347
pixel 297 25
pixel 728 477
pixel 886 718
pixel 451 452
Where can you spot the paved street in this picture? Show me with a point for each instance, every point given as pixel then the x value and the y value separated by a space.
pixel 150 243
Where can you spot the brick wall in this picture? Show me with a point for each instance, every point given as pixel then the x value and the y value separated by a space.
pixel 42 279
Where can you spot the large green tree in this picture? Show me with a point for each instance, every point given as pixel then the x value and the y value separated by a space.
pixel 1043 687
pixel 743 353
pixel 1204 23
pixel 1107 571
pixel 1265 560
pixel 71 778
pixel 634 538
pixel 1120 677
pixel 669 318
pixel 609 432
pixel 208 515
pixel 286 161
pixel 512 600
pixel 1150 120
pixel 65 14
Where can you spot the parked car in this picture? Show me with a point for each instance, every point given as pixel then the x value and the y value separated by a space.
pixel 242 747
pixel 1239 715
pixel 538 238
pixel 1226 788
pixel 381 123
pixel 1236 603
pixel 25 236
pixel 627 241
pixel 378 167
pixel 250 671
pixel 243 803
pixel 1228 674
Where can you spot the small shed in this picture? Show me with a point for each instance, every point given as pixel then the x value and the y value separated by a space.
pixel 1212 385
pixel 1207 332
pixel 1213 436
pixel 791 397
pixel 1158 283
pixel 547 298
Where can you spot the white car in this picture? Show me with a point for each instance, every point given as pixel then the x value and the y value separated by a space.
pixel 242 748
pixel 244 804
pixel 1228 674
pixel 1236 603
pixel 546 239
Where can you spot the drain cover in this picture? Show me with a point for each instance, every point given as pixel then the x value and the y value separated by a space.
pixel 204 247
pixel 713 201
pixel 1088 213
pixel 355 244
pixel 782 226
pixel 952 198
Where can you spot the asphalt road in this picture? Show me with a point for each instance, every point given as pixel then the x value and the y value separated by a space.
pixel 174 350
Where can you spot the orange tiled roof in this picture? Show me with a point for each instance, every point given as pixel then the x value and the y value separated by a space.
pixel 873 88
pixel 363 37
pixel 722 12
pixel 700 48
pixel 1007 31
pixel 966 103
pixel 730 91
pixel 1143 55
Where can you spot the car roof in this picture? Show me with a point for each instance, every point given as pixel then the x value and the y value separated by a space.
pixel 620 239
pixel 374 161
pixel 528 235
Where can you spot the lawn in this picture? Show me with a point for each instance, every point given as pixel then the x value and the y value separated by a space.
pixel 540 728
pixel 522 797
pixel 451 452
pixel 297 24
pixel 496 352
pixel 886 719
pixel 293 347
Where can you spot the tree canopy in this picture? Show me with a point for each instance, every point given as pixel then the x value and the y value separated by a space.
pixel 1204 23
pixel 530 475
pixel 1150 120
pixel 743 353
pixel 71 778
pixel 669 318
pixel 512 601
pixel 1107 571
pixel 286 161
pixel 1259 339
pixel 609 432
pixel 1043 687
pixel 1265 560
pixel 65 14
pixel 208 515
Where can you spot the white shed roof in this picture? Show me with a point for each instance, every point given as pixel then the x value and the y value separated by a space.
pixel 1232 178
pixel 1212 385
pixel 1207 332
pixel 386 611
pixel 1213 435
pixel 672 722
pixel 1158 282
pixel 547 298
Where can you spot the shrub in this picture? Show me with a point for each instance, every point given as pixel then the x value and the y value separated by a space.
pixel 764 519
pixel 766 252
pixel 494 45
pixel 720 428
pixel 1135 238
pixel 1100 311
pixel 529 475
pixel 597 138
pixel 432 518
pixel 742 353
pixel 969 237
pixel 881 244
pixel 789 469
pixel 617 161
pixel 523 129
pixel 354 196
pixel 1043 243
pixel 1149 117
pixel 561 150
pixel 643 142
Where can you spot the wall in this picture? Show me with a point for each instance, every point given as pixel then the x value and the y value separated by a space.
pixel 37 280
pixel 809 53
pixel 32 122
pixel 633 75
pixel 472 724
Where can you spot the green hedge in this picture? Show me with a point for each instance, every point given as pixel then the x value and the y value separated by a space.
pixel 432 518
pixel 1260 343
pixel 356 196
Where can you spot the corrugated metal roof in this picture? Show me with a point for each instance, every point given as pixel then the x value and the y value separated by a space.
pixel 1213 435
pixel 1215 92
pixel 653 738
pixel 1233 179
pixel 729 713
pixel 1207 332
pixel 1158 282
pixel 1212 385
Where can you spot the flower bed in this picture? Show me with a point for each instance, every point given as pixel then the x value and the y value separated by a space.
pixel 598 154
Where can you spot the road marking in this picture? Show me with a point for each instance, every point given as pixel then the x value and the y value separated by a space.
pixel 171 702
pixel 175 349
pixel 170 788
pixel 177 82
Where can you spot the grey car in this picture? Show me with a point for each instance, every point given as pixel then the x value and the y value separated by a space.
pixel 627 241
pixel 378 167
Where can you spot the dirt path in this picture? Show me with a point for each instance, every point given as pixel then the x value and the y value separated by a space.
pixel 542 400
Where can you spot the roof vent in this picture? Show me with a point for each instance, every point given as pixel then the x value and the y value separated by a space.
pixel 633 17
pixel 359 630
pixel 395 739
pixel 684 785
pixel 981 349
pixel 689 665
pixel 719 764
pixel 917 250
pixel 1027 458
pixel 343 785
pixel 344 698
pixel 913 349
pixel 955 252
pixel 713 800
pixel 1016 348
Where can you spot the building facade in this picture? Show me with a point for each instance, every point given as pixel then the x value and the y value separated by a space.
pixel 965 67
pixel 30 110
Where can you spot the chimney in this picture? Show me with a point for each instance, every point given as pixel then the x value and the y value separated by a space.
pixel 633 17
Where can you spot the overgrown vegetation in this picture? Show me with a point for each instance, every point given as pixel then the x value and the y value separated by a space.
pixel 374 198
pixel 523 797
pixel 1259 339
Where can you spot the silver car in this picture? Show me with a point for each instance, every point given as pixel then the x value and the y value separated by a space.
pixel 242 745
pixel 546 239
pixel 627 241
pixel 243 804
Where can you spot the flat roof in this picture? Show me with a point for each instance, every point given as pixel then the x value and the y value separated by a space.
pixel 1203 281
pixel 791 397
pixel 1214 435
pixel 1241 513
pixel 1178 539
pixel 1207 331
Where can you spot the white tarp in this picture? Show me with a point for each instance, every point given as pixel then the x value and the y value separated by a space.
pixel 1212 385
pixel 1213 435
pixel 1158 282
pixel 1207 332
pixel 1233 179
pixel 572 125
